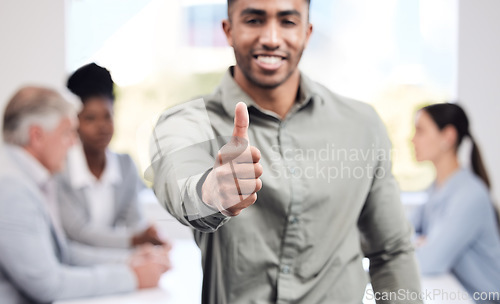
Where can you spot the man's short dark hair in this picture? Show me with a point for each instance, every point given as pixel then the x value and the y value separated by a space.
pixel 231 2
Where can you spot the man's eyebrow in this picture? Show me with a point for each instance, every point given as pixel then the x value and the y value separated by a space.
pixel 288 13
pixel 253 11
pixel 259 12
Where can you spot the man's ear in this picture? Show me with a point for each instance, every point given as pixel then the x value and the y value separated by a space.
pixel 36 135
pixel 226 27
pixel 309 31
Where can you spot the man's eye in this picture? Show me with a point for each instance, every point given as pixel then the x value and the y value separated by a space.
pixel 253 21
pixel 288 22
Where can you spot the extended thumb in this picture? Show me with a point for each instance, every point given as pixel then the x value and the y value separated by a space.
pixel 241 121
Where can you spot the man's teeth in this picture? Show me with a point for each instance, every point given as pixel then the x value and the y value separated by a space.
pixel 269 59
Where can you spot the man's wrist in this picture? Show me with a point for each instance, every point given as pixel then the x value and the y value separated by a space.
pixel 199 190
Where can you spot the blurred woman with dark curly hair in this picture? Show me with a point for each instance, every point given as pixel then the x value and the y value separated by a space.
pixel 99 190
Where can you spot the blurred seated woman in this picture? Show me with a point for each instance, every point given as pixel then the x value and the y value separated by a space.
pixel 98 192
pixel 457 228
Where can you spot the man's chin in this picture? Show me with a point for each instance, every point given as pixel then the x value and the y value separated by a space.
pixel 268 83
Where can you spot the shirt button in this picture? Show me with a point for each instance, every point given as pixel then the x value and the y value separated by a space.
pixel 291 170
pixel 285 269
pixel 293 220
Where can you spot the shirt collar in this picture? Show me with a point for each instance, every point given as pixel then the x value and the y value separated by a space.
pixel 232 93
pixel 30 165
pixel 80 175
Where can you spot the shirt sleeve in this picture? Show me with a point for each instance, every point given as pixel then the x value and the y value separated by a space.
pixel 385 231
pixel 448 238
pixel 84 255
pixel 28 258
pixel 182 151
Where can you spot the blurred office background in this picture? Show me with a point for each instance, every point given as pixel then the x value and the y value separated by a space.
pixel 394 54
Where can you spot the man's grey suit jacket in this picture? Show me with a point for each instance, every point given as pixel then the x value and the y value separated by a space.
pixel 37 266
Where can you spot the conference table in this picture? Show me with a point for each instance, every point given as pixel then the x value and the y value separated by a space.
pixel 182 284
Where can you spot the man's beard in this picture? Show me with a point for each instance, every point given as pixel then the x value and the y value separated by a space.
pixel 246 71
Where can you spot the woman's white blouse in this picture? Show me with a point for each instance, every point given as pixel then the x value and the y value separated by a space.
pixel 99 193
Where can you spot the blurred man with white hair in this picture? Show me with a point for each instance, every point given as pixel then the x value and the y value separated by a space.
pixel 37 263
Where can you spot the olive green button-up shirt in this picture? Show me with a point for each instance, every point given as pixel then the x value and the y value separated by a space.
pixel 328 200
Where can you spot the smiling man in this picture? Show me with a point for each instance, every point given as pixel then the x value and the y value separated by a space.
pixel 268 39
pixel 303 189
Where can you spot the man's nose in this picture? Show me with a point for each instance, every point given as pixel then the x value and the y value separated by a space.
pixel 271 36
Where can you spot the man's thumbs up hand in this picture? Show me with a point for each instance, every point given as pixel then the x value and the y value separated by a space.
pixel 233 183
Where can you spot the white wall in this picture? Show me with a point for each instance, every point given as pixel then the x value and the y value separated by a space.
pixel 479 77
pixel 32 45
